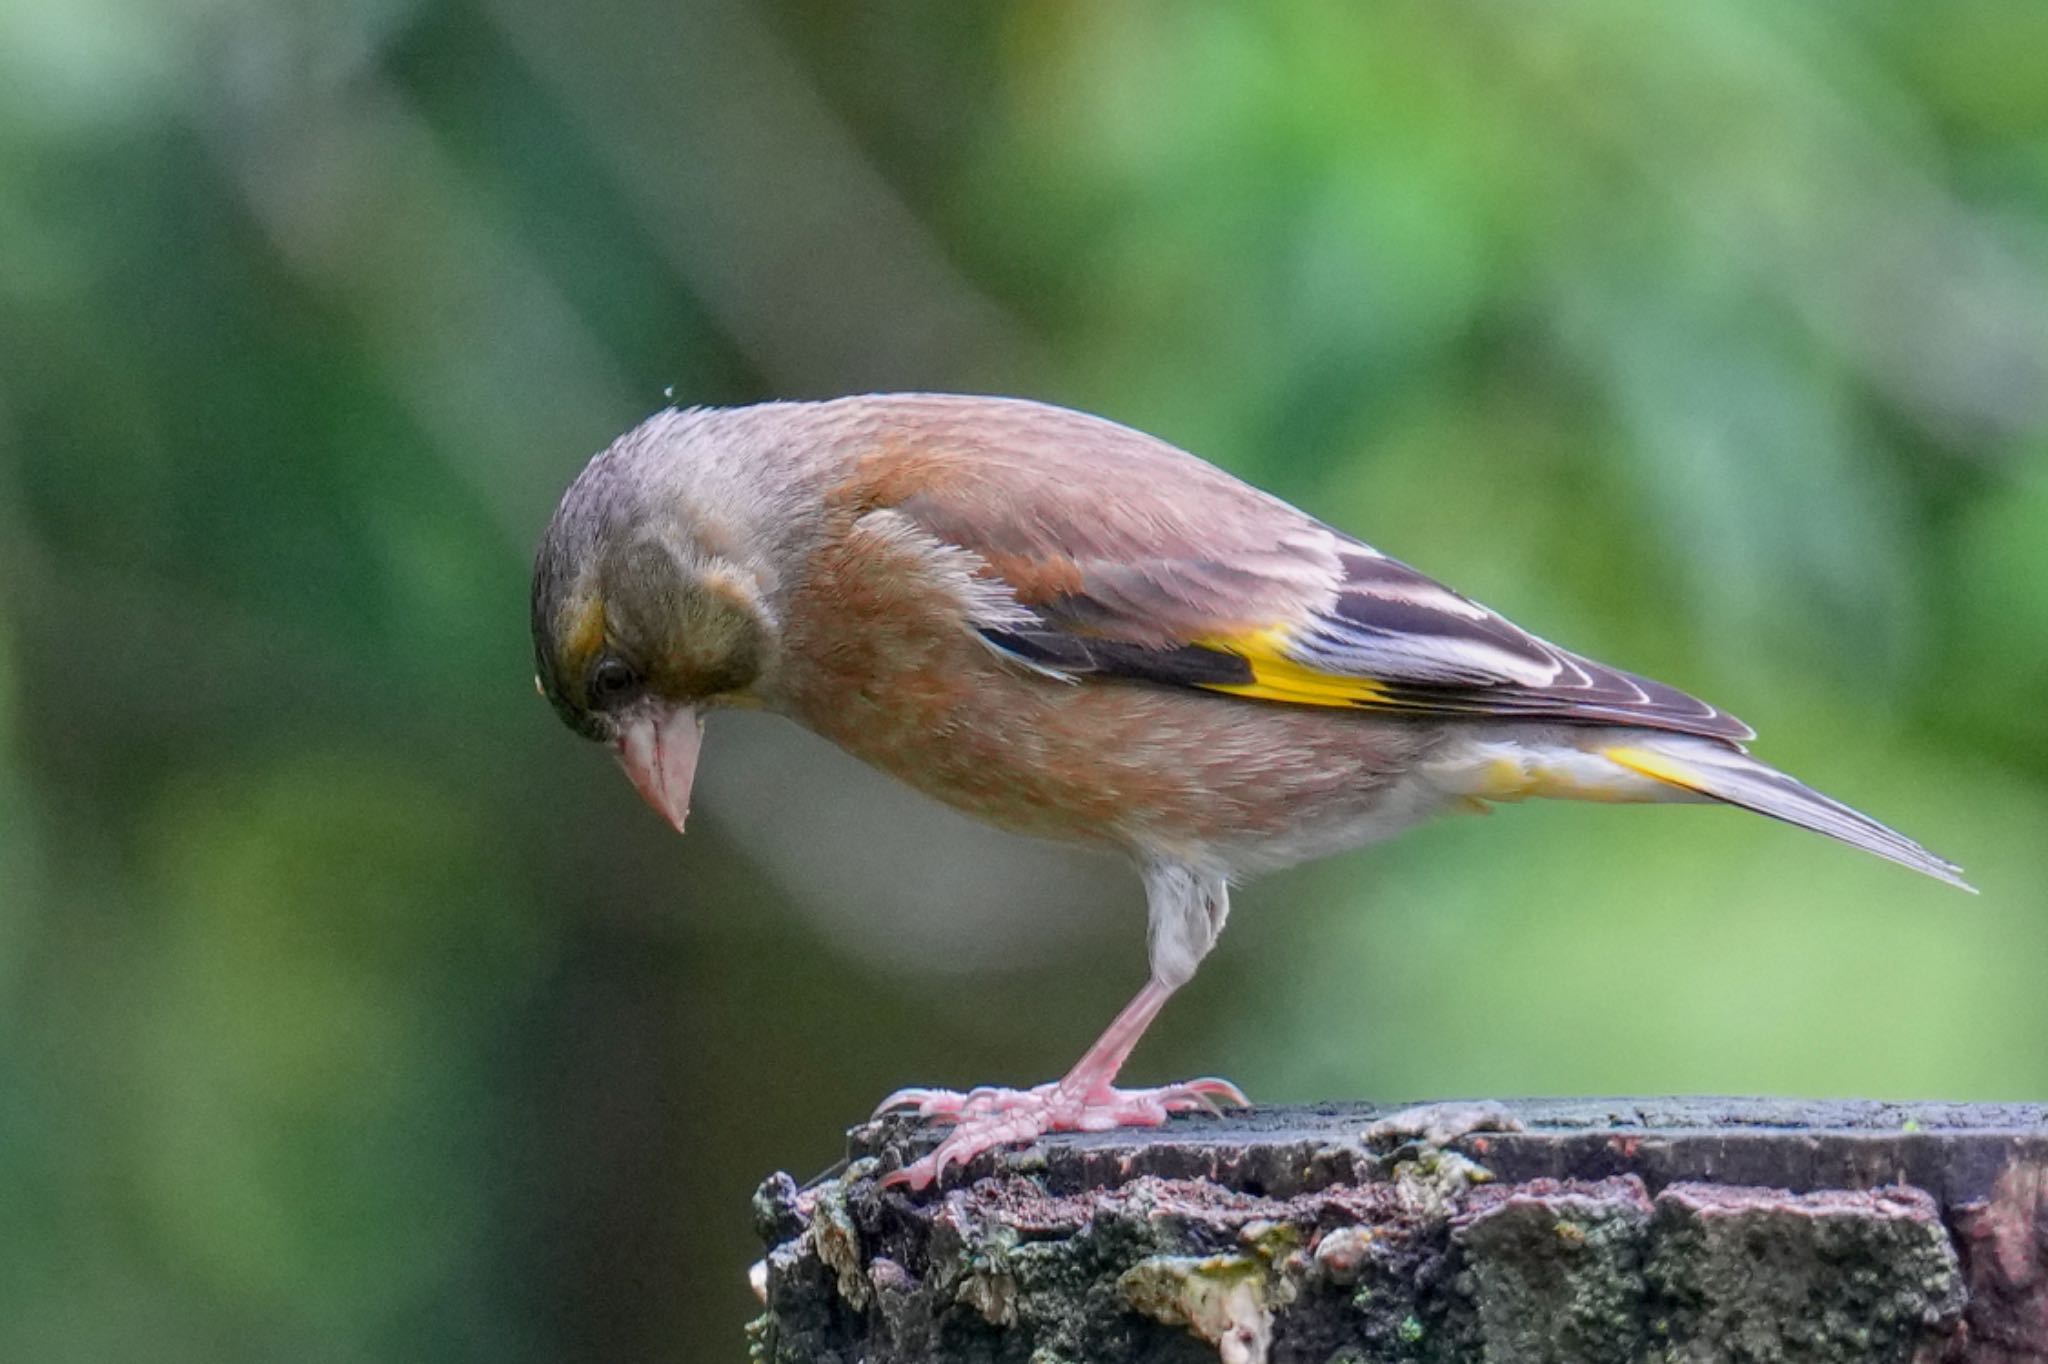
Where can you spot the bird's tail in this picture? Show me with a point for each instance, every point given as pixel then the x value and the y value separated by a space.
pixel 1727 774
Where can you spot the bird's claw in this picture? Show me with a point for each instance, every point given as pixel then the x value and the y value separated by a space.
pixel 988 1117
pixel 1210 1092
pixel 908 1099
pixel 952 1105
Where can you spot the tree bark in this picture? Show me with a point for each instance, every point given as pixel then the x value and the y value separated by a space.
pixel 1681 1231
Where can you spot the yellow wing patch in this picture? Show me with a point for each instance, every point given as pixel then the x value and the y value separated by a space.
pixel 1276 677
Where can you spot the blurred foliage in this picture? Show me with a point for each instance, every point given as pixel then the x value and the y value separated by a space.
pixel 350 1010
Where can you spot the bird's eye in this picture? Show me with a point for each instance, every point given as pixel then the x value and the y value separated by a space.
pixel 612 681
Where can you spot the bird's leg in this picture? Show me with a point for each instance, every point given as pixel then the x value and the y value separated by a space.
pixel 1093 1074
pixel 1086 1100
pixel 1187 911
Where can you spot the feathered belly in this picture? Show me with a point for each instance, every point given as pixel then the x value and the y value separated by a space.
pixel 1244 784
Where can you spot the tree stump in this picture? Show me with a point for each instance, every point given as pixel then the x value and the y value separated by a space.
pixel 1682 1230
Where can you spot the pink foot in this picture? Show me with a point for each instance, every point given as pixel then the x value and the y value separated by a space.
pixel 989 1117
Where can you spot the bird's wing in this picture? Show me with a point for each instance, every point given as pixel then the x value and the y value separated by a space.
pixel 1136 560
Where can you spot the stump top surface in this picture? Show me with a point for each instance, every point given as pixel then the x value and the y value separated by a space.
pixel 1955 1150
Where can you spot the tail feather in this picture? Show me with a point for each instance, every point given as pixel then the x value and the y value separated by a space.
pixel 1727 774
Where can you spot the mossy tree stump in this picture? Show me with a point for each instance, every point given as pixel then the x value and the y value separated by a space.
pixel 1689 1230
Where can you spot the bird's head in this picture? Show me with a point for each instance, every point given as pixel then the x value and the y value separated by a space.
pixel 646 612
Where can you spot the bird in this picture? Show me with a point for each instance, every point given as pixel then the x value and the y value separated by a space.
pixel 1074 630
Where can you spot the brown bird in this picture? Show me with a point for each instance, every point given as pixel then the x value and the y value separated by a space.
pixel 1074 630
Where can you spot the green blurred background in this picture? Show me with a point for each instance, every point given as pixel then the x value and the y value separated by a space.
pixel 352 1010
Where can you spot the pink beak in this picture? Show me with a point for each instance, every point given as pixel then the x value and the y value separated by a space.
pixel 658 749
